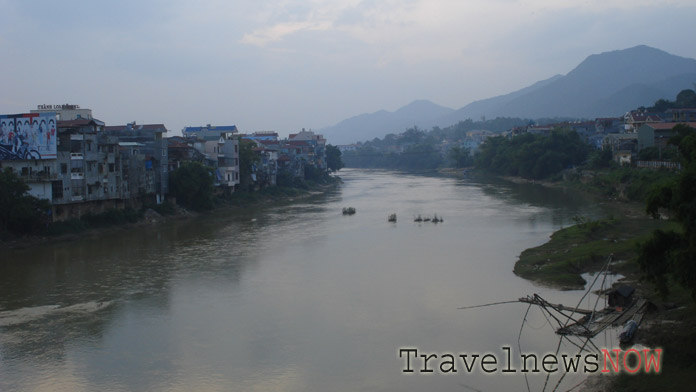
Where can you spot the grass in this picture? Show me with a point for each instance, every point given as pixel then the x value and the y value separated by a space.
pixel 623 183
pixel 584 247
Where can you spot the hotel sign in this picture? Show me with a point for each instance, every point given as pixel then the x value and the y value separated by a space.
pixel 57 107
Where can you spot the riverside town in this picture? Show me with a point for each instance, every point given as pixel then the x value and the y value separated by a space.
pixel 311 196
pixel 81 165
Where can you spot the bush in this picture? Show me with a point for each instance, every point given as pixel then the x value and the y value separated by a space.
pixel 20 213
pixel 192 185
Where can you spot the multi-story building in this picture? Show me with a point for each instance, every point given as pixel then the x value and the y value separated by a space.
pixel 316 154
pixel 154 149
pixel 65 112
pixel 182 149
pixel 265 167
pixel 84 175
pixel 221 147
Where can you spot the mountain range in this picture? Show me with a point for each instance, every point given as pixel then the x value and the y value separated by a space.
pixel 603 85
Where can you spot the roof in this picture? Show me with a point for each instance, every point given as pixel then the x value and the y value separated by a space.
pixel 142 127
pixel 78 122
pixel 643 117
pixel 175 144
pixel 681 110
pixel 624 291
pixel 669 125
pixel 300 143
pixel 221 128
pixel 210 138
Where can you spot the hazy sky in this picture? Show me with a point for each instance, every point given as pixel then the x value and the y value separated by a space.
pixel 284 65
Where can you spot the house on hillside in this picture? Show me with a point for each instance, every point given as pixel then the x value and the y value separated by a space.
pixel 635 119
pixel 657 134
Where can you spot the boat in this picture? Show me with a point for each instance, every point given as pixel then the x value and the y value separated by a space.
pixel 391 218
pixel 348 210
pixel 628 332
pixel 418 219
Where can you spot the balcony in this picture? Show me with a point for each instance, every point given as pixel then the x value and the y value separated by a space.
pixel 39 176
pixel 77 176
pixel 76 155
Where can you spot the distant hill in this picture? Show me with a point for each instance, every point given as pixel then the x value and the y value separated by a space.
pixel 606 84
pixel 421 113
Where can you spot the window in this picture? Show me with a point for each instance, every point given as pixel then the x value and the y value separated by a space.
pixel 236 148
pixel 236 176
pixel 111 167
pixel 57 189
pixel 164 152
pixel 101 168
pixel 64 168
pixel 26 171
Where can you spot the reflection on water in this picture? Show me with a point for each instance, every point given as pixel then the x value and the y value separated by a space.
pixel 289 297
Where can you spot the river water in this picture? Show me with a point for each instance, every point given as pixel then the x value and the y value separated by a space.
pixel 291 297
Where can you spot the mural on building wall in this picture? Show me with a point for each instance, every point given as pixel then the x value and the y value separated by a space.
pixel 28 136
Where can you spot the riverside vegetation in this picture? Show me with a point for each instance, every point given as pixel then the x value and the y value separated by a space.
pixel 658 254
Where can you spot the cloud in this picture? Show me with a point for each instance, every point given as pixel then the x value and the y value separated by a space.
pixel 277 32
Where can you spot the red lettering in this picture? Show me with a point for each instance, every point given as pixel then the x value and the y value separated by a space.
pixel 650 361
pixel 625 364
pixel 607 356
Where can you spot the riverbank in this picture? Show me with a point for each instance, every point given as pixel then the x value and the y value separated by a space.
pixel 583 248
pixel 104 224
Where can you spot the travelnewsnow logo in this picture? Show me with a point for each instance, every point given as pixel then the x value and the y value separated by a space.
pixel 609 361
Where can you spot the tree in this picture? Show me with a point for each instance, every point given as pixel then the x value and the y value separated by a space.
pixel 532 156
pixel 686 99
pixel 333 158
pixel 247 159
pixel 599 159
pixel 20 213
pixel 672 253
pixel 192 185
pixel 460 157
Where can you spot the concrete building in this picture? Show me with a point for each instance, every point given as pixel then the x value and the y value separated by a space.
pixel 657 134
pixel 65 112
pixel 316 153
pixel 220 145
pixel 154 149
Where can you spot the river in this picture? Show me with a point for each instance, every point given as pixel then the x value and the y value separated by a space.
pixel 289 297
